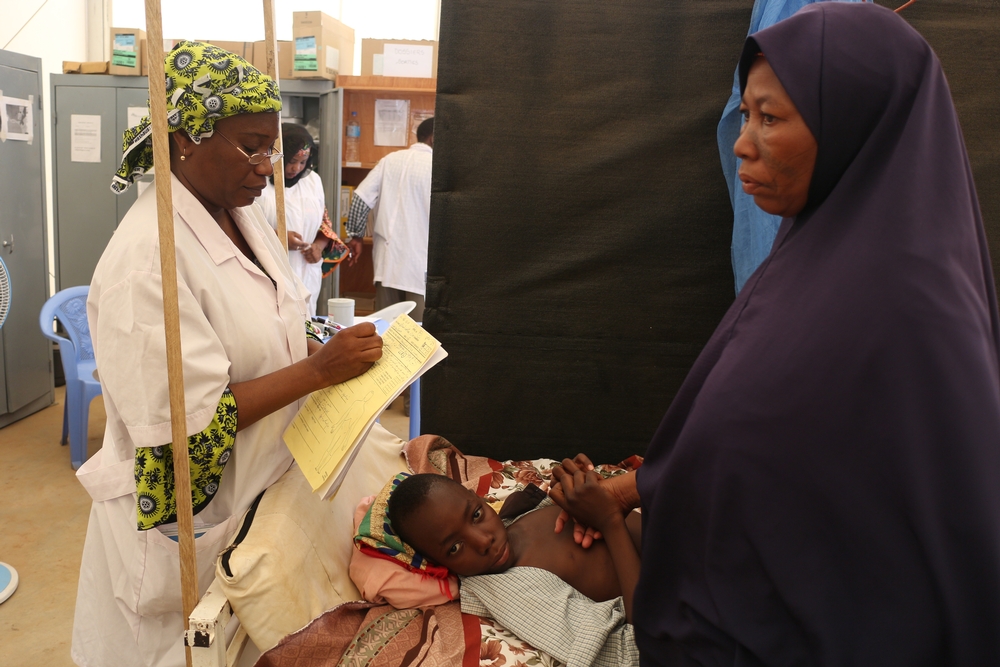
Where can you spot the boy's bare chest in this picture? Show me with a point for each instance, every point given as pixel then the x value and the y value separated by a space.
pixel 590 571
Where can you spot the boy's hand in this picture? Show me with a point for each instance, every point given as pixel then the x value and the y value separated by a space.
pixel 580 492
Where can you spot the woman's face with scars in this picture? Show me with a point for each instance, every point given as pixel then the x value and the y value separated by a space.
pixel 775 144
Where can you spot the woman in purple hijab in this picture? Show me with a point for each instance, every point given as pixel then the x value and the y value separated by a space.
pixel 825 488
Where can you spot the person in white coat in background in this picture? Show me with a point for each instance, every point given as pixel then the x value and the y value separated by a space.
pixel 248 360
pixel 307 223
pixel 400 184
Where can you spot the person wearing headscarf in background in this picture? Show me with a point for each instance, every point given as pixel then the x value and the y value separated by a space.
pixel 307 223
pixel 247 360
pixel 824 488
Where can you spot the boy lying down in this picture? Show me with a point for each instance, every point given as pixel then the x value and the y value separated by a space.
pixel 571 602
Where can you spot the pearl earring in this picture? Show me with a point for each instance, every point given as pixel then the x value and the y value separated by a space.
pixel 183 157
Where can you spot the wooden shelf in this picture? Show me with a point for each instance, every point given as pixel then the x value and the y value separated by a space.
pixel 387 83
pixel 361 99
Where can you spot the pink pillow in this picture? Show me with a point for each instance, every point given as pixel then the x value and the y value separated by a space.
pixel 382 581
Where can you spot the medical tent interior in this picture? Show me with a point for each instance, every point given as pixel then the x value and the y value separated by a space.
pixel 580 223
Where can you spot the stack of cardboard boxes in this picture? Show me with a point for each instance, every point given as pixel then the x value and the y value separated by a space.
pixel 321 48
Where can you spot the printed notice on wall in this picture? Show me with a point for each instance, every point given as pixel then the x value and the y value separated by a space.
pixel 16 119
pixel 392 118
pixel 85 138
pixel 135 115
pixel 408 60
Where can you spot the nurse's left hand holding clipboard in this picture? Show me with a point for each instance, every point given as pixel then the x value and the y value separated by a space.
pixel 347 355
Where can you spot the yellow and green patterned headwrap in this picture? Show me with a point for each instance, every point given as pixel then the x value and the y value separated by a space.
pixel 204 83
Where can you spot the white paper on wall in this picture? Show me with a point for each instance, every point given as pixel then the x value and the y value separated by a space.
pixel 392 118
pixel 85 138
pixel 377 63
pixel 135 115
pixel 408 60
pixel 17 119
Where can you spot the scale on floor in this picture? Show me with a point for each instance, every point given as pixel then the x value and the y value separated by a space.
pixel 8 575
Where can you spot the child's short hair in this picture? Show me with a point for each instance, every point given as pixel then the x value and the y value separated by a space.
pixel 408 497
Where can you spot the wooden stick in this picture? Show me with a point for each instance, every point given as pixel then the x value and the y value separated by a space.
pixel 171 312
pixel 271 48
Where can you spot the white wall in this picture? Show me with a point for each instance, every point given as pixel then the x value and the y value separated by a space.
pixel 243 20
pixel 53 30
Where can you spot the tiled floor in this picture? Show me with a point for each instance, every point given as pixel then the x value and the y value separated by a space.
pixel 43 520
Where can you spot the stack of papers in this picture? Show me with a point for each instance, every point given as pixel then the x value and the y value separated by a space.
pixel 327 432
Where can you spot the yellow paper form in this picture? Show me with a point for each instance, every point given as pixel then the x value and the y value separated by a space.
pixel 333 420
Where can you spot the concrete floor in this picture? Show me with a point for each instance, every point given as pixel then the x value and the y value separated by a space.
pixel 43 521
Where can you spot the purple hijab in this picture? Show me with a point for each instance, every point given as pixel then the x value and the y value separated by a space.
pixel 825 488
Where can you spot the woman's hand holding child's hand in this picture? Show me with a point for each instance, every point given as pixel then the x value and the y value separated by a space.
pixel 621 494
pixel 580 491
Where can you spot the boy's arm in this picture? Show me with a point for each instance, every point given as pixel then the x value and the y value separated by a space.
pixel 588 501
pixel 625 557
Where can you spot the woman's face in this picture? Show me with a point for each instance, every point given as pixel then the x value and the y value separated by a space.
pixel 216 171
pixel 777 149
pixel 295 164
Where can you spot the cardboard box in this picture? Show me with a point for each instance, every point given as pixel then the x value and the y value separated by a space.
pixel 285 58
pixel 242 49
pixel 324 47
pixel 126 51
pixel 89 67
pixel 373 60
pixel 168 46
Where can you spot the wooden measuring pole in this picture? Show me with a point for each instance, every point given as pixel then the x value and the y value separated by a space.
pixel 171 312
pixel 271 48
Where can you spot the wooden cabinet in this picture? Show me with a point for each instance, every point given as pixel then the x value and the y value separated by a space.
pixel 359 95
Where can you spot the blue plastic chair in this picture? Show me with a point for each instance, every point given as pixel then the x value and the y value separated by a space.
pixel 77 352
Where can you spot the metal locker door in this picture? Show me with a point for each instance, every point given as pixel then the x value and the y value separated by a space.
pixel 27 372
pixel 331 110
pixel 127 98
pixel 86 208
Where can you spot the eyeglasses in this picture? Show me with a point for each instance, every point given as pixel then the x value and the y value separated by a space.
pixel 256 158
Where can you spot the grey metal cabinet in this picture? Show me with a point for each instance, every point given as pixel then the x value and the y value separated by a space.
pixel 25 356
pixel 87 212
pixel 322 108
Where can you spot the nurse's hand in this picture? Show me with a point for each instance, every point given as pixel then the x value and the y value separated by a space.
pixel 348 354
pixel 295 241
pixel 314 253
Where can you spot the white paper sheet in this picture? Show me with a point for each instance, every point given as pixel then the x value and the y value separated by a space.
pixel 135 115
pixel 17 119
pixel 85 138
pixel 392 118
pixel 408 60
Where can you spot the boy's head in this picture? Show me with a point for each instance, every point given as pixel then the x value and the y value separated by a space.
pixel 450 525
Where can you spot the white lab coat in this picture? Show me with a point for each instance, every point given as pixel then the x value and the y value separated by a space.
pixel 235 326
pixel 401 185
pixel 304 206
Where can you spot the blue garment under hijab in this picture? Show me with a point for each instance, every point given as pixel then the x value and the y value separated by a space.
pixel 753 229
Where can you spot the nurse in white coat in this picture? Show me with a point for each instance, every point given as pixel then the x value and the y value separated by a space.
pixel 305 209
pixel 246 359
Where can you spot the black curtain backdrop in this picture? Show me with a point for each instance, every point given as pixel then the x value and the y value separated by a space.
pixel 580 223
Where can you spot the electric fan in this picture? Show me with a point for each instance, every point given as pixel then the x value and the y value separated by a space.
pixel 8 575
